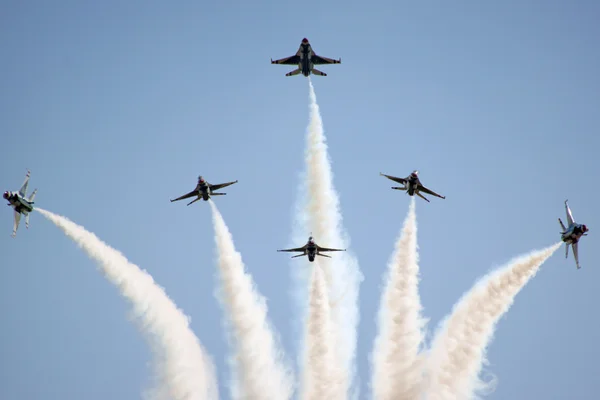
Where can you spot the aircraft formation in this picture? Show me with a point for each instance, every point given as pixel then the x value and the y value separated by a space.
pixel 305 59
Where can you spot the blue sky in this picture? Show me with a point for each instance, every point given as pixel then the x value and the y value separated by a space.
pixel 118 107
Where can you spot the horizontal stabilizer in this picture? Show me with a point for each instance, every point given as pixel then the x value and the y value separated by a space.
pixel 323 255
pixel 317 72
pixel 398 188
pixel 562 225
pixel 299 255
pixel 294 72
pixel 30 199
pixel 218 194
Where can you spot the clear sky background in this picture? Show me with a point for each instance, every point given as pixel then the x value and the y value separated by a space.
pixel 116 107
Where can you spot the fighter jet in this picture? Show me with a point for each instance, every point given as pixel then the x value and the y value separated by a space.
pixel 204 190
pixel 311 249
pixel 412 185
pixel 20 203
pixel 572 234
pixel 306 59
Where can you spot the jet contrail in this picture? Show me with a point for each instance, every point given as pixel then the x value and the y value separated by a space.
pixel 261 369
pixel 458 350
pixel 321 378
pixel 185 370
pixel 397 366
pixel 321 215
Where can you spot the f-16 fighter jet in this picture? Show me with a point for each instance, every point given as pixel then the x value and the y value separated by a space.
pixel 412 185
pixel 204 190
pixel 572 234
pixel 306 59
pixel 21 204
pixel 311 249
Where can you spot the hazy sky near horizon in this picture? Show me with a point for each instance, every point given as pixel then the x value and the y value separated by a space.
pixel 118 107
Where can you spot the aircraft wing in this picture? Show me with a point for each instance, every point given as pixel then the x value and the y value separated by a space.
pixel 187 196
pixel 328 249
pixel 296 249
pixel 429 191
pixel 395 179
pixel 318 60
pixel 23 189
pixel 16 224
pixel 292 60
pixel 221 185
pixel 576 254
pixel 570 219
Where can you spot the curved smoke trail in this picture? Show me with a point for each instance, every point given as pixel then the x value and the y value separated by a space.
pixel 185 371
pixel 321 215
pixel 397 366
pixel 458 350
pixel 321 375
pixel 261 368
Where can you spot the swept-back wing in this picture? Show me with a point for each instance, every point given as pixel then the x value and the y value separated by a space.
pixel 16 223
pixel 576 254
pixel 429 191
pixel 186 196
pixel 328 249
pixel 221 185
pixel 318 60
pixel 570 219
pixel 395 179
pixel 292 60
pixel 296 249
pixel 23 189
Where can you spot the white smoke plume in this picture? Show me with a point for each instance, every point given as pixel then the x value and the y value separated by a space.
pixel 260 365
pixel 320 214
pixel 458 350
pixel 184 369
pixel 321 372
pixel 397 365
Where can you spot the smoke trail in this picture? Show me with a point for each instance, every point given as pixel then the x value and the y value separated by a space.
pixel 397 367
pixel 321 215
pixel 458 350
pixel 185 371
pixel 321 375
pixel 261 368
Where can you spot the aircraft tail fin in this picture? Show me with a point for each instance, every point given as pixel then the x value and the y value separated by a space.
pixel 317 72
pixel 30 199
pixel 294 72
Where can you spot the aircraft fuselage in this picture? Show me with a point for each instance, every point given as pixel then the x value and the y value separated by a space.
pixel 204 192
pixel 306 53
pixel 573 233
pixel 412 184
pixel 18 203
pixel 311 252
